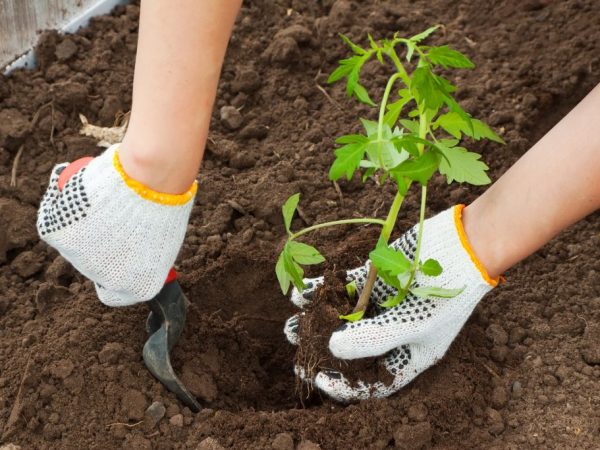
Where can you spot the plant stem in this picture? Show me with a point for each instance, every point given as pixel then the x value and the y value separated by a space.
pixel 386 232
pixel 413 271
pixel 399 67
pixel 386 95
pixel 336 222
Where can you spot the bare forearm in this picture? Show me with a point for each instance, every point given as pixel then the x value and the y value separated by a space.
pixel 552 186
pixel 180 53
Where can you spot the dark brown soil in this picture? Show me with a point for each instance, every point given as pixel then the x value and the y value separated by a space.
pixel 321 318
pixel 524 372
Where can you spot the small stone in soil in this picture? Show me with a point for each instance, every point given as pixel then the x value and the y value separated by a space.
pixel 308 445
pixel 413 437
pixel 210 444
pixel 517 389
pixel 283 441
pixel 231 117
pixel 176 420
pixel 154 413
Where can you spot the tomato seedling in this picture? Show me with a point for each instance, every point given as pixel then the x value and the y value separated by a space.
pixel 418 132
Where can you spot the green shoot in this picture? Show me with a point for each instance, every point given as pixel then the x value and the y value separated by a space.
pixel 419 132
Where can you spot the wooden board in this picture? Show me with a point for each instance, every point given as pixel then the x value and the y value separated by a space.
pixel 22 20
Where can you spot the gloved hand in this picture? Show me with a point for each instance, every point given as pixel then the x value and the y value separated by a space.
pixel 117 232
pixel 415 334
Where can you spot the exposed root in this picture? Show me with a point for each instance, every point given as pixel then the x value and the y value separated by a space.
pixel 128 425
pixel 15 167
pixel 328 97
pixel 106 136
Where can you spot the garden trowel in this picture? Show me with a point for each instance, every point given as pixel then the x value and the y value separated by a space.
pixel 165 324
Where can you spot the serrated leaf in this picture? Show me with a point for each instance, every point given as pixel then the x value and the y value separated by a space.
pixel 282 275
pixel 388 260
pixel 463 166
pixel 410 49
pixel 347 159
pixel 362 95
pixel 370 126
pixel 394 109
pixel 401 183
pixel 481 130
pixel 372 42
pixel 288 209
pixel 446 57
pixel 353 317
pixel 410 125
pixel 419 37
pixel 420 169
pixel 293 269
pixel 431 267
pixel 355 48
pixel 304 254
pixel 426 89
pixel 352 80
pixel 384 153
pixel 452 123
pixel 340 72
pixel 430 291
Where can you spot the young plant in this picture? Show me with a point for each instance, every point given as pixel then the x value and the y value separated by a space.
pixel 419 132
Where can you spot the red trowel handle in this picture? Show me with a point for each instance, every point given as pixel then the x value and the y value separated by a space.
pixel 171 277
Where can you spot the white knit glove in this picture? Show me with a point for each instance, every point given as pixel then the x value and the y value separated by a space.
pixel 414 335
pixel 117 232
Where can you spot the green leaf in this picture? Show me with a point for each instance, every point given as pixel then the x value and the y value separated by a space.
pixel 362 95
pixel 394 301
pixel 304 253
pixel 430 291
pixel 394 109
pixel 420 169
pixel 452 123
pixel 351 289
pixel 463 166
pixel 355 48
pixel 426 89
pixel 370 126
pixel 384 154
pixel 419 37
pixel 431 267
pixel 353 317
pixel 401 183
pixel 410 49
pixel 410 125
pixel 352 139
pixel 446 57
pixel 481 130
pixel 293 269
pixel 389 260
pixel 340 72
pixel 288 209
pixel 347 159
pixel 282 275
